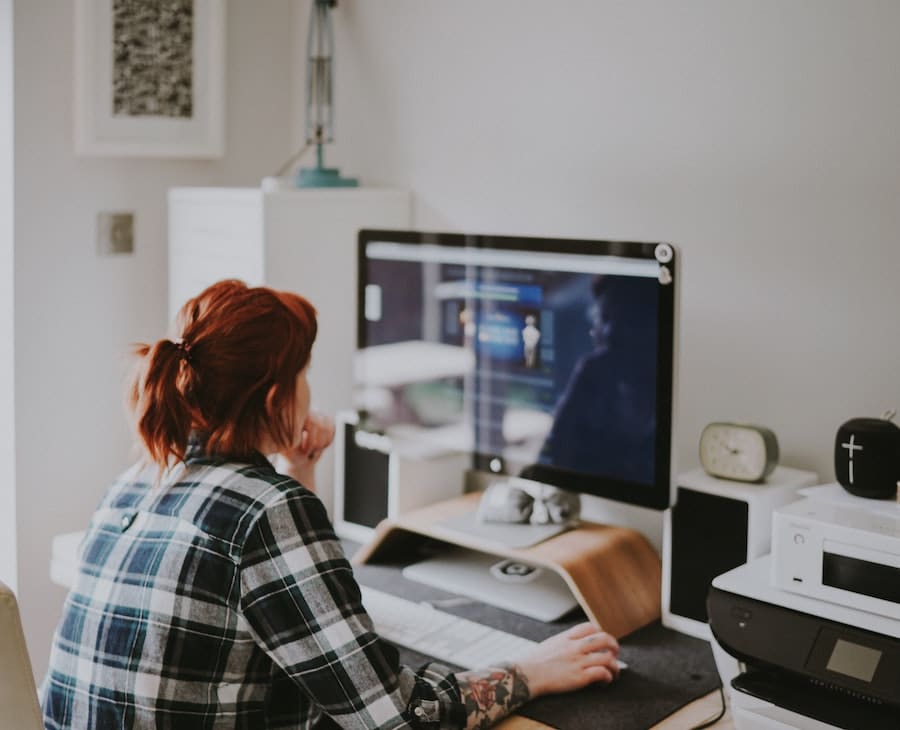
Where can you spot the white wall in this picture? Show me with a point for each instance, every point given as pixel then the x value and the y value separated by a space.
pixel 8 573
pixel 760 136
pixel 76 313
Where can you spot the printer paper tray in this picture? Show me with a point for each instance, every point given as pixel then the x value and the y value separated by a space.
pixel 833 707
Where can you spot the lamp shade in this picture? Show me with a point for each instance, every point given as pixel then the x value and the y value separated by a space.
pixel 319 84
pixel 320 99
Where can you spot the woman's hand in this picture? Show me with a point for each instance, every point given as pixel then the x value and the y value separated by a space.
pixel 300 460
pixel 571 660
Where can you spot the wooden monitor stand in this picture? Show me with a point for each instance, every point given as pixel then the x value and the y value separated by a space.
pixel 613 572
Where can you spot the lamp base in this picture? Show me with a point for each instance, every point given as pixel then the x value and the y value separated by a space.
pixel 324 177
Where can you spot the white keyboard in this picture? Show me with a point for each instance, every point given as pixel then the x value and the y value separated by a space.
pixel 439 634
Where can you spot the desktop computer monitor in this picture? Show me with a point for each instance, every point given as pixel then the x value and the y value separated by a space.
pixel 546 358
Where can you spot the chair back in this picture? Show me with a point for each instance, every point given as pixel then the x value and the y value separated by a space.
pixel 19 706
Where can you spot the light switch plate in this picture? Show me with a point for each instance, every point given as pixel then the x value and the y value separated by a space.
pixel 115 233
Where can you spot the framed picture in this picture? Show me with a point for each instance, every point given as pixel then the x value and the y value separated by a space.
pixel 150 78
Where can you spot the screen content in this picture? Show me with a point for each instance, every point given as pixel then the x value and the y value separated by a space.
pixel 854 660
pixel 536 361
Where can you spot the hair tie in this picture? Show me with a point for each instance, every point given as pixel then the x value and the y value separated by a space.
pixel 184 350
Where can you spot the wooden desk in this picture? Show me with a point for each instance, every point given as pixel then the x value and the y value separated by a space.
pixel 693 714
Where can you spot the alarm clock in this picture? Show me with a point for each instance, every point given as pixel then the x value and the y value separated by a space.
pixel 736 451
pixel 867 457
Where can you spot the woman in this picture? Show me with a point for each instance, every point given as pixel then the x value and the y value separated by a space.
pixel 212 591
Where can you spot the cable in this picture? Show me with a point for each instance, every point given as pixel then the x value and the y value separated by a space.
pixel 292 159
pixel 713 720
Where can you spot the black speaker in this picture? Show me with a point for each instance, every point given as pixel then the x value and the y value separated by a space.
pixel 709 537
pixel 365 483
pixel 713 526
pixel 867 457
pixel 378 477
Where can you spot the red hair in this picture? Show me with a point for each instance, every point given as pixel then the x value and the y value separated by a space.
pixel 230 377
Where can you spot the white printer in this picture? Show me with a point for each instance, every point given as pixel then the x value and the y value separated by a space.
pixel 816 625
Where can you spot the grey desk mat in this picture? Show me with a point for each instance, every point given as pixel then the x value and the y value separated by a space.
pixel 666 669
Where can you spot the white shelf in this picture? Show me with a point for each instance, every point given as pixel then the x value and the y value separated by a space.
pixel 297 240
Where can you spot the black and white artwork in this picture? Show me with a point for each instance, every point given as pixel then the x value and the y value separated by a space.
pixel 150 78
pixel 153 58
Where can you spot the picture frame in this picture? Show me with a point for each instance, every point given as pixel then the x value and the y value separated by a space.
pixel 150 78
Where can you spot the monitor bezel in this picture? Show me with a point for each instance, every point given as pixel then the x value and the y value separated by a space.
pixel 656 496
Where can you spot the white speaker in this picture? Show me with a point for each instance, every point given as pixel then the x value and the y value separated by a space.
pixel 713 526
pixel 377 477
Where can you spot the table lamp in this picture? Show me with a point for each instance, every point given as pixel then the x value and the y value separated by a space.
pixel 319 99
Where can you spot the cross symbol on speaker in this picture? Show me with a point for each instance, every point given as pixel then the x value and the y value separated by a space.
pixel 851 446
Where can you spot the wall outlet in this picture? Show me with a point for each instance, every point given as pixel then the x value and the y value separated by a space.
pixel 115 233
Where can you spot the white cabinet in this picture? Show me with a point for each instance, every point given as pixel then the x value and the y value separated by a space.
pixel 300 240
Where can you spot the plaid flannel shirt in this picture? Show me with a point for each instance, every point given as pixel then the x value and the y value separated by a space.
pixel 221 598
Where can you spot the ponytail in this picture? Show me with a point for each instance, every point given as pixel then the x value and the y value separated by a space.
pixel 160 401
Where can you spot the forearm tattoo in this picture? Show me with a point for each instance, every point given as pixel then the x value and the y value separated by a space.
pixel 492 694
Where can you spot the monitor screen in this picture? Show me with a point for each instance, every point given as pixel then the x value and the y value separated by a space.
pixel 551 359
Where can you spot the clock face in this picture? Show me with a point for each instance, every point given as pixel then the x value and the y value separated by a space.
pixel 733 451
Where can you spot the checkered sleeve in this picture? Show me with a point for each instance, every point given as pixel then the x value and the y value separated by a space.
pixel 303 605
